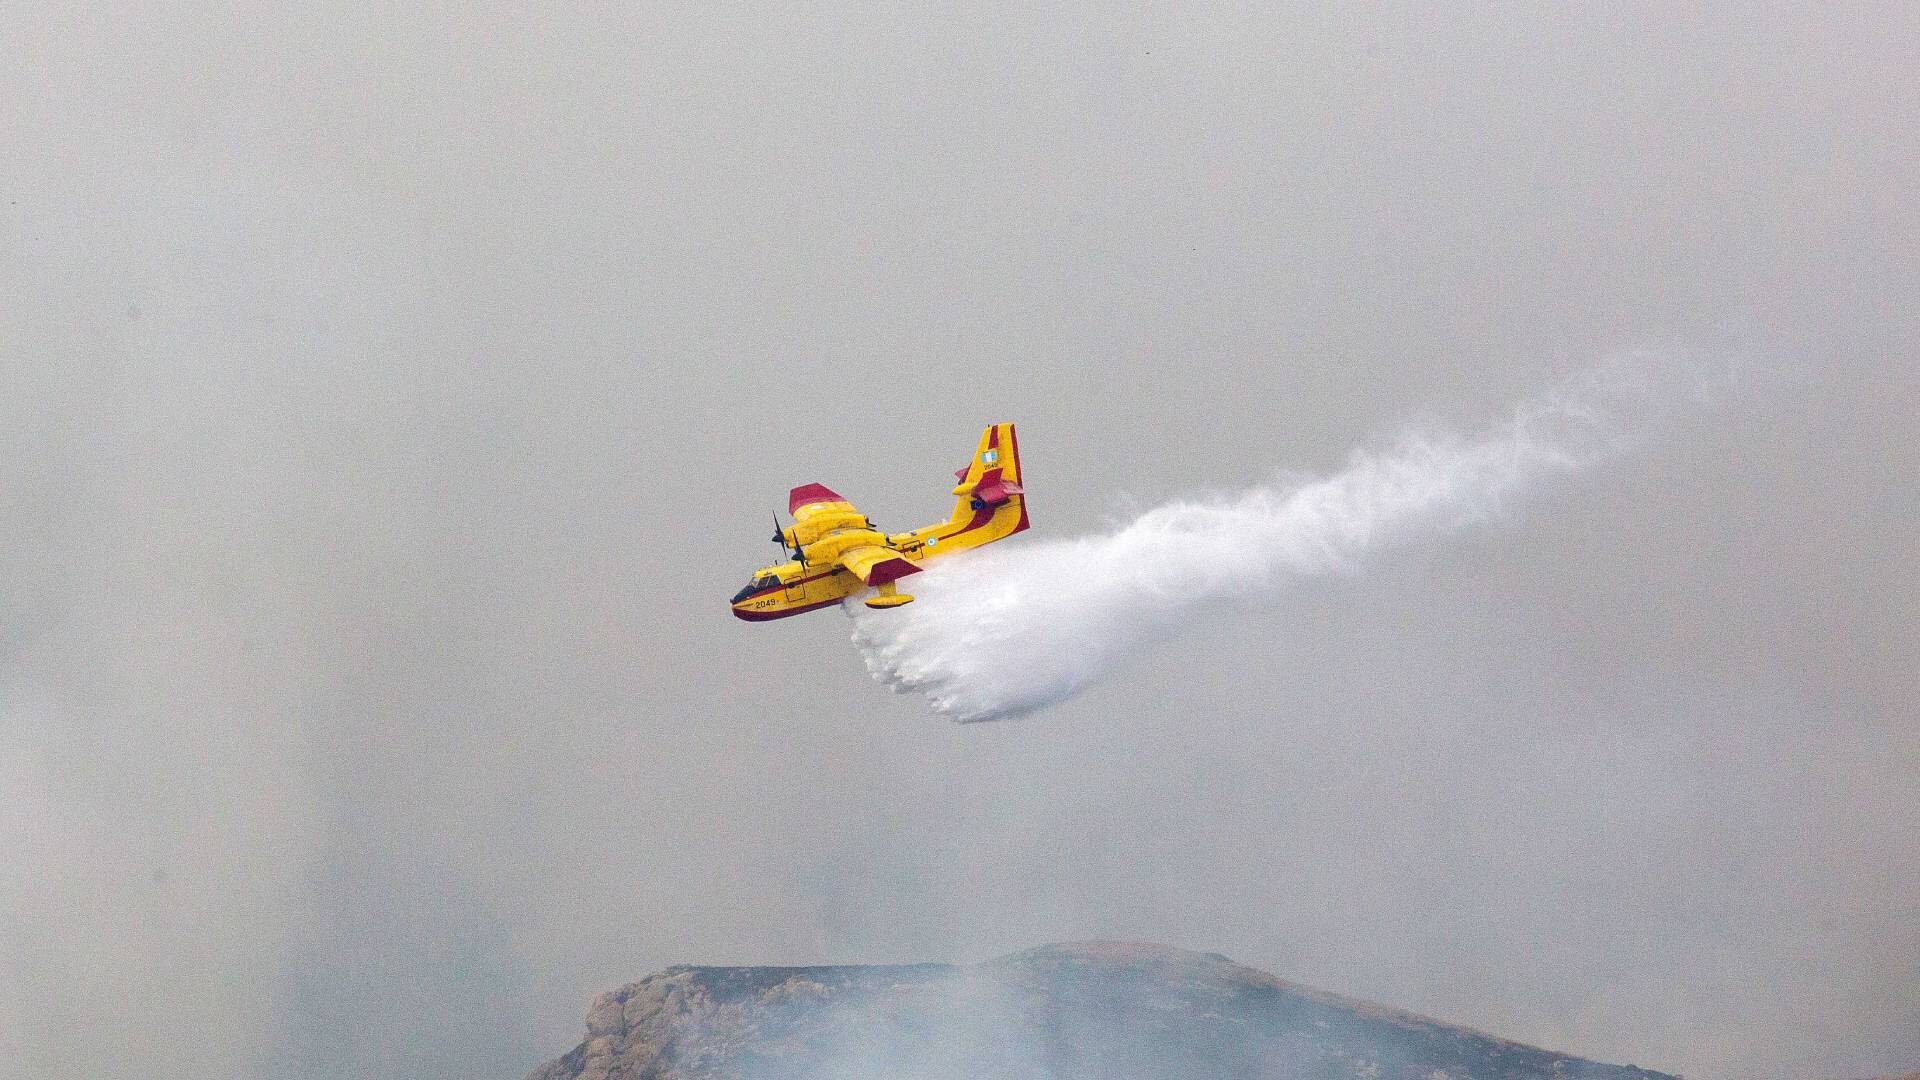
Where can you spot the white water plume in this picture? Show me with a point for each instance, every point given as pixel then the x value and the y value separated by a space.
pixel 1017 627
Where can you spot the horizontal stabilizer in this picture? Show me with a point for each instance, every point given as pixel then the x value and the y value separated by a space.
pixel 994 491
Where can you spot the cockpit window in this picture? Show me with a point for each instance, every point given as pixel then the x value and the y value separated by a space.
pixel 759 583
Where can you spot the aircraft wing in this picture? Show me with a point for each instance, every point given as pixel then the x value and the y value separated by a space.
pixel 875 565
pixel 813 495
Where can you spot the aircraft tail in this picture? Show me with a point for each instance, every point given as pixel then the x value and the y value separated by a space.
pixel 989 502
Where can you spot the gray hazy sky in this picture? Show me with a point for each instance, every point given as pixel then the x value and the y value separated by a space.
pixel 388 402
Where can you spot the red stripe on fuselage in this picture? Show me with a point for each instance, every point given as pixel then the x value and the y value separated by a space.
pixel 781 613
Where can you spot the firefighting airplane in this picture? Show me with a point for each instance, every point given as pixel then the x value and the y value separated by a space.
pixel 837 551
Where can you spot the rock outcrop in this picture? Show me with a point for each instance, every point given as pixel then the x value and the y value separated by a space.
pixel 1063 1012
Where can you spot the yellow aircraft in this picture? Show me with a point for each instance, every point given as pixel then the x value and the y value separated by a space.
pixel 837 551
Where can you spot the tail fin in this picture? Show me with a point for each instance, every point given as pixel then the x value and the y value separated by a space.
pixel 989 502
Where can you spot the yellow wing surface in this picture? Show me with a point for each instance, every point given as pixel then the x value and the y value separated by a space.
pixel 875 565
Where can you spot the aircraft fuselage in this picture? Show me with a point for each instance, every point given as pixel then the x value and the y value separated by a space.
pixel 839 552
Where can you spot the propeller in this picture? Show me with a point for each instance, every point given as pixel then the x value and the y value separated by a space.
pixel 780 537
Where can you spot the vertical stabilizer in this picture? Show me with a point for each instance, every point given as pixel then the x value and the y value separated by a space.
pixel 989 502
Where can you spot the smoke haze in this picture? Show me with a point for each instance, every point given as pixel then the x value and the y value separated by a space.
pixel 391 396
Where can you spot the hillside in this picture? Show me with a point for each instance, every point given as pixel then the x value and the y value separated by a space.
pixel 1060 1012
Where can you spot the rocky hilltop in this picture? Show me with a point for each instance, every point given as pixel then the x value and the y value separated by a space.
pixel 1061 1012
